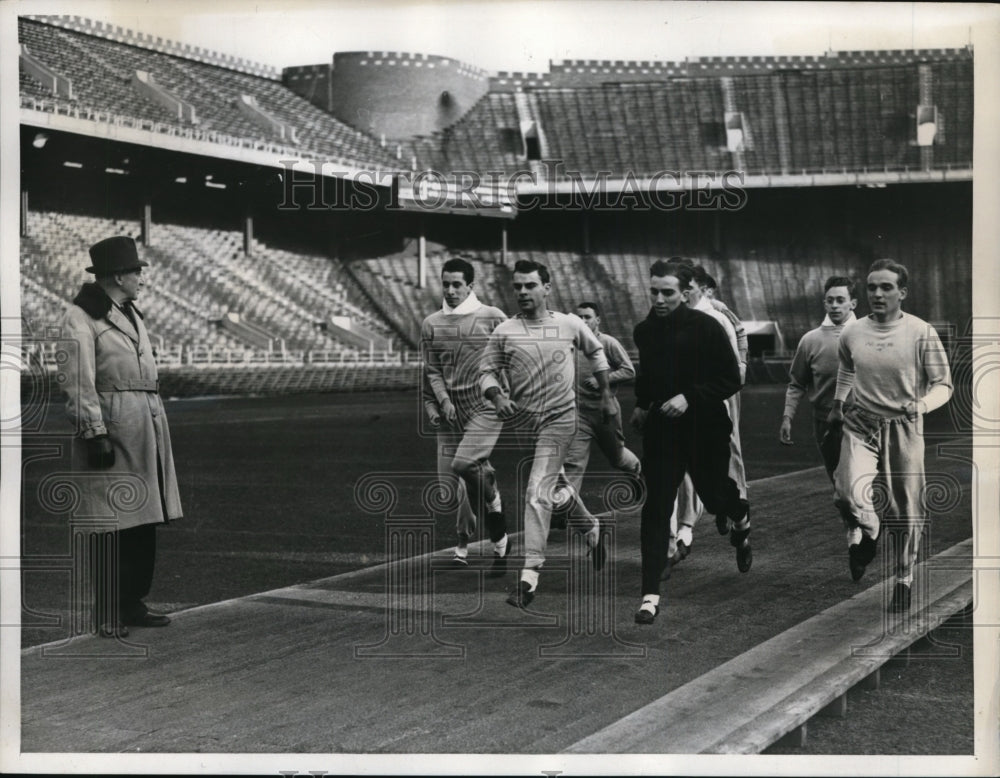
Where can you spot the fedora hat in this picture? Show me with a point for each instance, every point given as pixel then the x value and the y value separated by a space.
pixel 114 255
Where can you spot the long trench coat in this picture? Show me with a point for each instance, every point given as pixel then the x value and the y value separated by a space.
pixel 110 383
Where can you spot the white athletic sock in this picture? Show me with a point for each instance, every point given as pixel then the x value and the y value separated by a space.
pixel 593 535
pixel 650 602
pixel 494 505
pixel 530 574
pixel 744 524
pixel 853 536
pixel 907 580
pixel 684 533
pixel 461 550
pixel 500 547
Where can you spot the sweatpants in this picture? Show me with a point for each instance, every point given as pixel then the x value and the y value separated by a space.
pixel 688 509
pixel 820 427
pixel 448 441
pixel 474 444
pixel 548 437
pixel 610 439
pixel 671 448
pixel 880 478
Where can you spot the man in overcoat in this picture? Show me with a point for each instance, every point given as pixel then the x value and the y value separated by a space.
pixel 123 464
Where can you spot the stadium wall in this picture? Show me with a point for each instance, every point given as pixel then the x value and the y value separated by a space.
pixel 391 94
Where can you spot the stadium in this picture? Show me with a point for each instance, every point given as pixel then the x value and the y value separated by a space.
pixel 296 223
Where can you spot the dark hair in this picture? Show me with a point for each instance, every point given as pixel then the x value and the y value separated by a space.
pixel 852 287
pixel 459 265
pixel 678 269
pixel 587 304
pixel 701 276
pixel 892 266
pixel 530 266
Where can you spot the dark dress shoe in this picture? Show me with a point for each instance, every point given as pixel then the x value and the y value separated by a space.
pixel 113 630
pixel 149 620
pixel 643 616
pixel 740 539
pixel 522 596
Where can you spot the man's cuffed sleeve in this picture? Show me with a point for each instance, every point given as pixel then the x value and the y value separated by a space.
pixel 83 405
pixel 621 365
pixel 937 371
pixel 588 343
pixel 432 363
pixel 799 379
pixel 845 373
pixel 491 364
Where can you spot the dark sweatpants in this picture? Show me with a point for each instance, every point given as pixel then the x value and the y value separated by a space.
pixel 671 448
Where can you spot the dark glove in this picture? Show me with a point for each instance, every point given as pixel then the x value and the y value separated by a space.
pixel 100 453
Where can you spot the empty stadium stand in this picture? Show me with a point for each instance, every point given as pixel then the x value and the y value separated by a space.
pixel 783 119
pixel 842 118
pixel 102 70
pixel 198 275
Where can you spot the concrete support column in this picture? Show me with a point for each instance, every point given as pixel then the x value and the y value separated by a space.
pixel 248 235
pixel 421 259
pixel 147 223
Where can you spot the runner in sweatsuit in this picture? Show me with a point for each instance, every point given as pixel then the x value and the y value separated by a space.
pixel 452 341
pixel 536 351
pixel 686 371
pixel 591 428
pixel 814 367
pixel 893 365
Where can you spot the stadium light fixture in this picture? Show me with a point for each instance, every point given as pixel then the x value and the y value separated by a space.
pixel 73 164
pixel 40 140
pixel 115 170
pixel 181 180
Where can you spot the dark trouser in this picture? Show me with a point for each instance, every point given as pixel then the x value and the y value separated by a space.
pixel 699 447
pixel 831 450
pixel 123 572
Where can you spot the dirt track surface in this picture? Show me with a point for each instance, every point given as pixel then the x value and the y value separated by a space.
pixel 287 664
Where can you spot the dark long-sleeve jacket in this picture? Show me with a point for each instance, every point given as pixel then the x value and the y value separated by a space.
pixel 686 352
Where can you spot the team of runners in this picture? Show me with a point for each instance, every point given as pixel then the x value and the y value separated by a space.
pixel 547 380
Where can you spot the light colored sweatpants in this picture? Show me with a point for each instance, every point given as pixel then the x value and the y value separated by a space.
pixel 482 431
pixel 549 438
pixel 610 440
pixel 880 476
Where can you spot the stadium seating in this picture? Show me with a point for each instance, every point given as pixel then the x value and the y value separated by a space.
pixel 101 72
pixel 392 281
pixel 852 119
pixel 197 276
pixel 846 111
